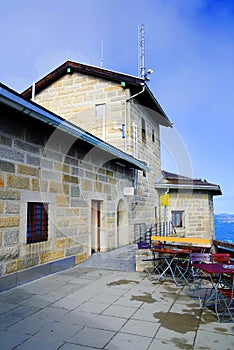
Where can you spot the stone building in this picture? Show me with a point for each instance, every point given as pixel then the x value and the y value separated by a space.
pixel 118 108
pixel 122 110
pixel 80 170
pixel 190 208
pixel 63 192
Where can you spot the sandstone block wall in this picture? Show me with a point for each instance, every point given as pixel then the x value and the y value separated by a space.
pixel 75 96
pixel 37 167
pixel 198 218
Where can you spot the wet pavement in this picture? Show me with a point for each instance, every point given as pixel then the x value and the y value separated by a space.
pixel 104 304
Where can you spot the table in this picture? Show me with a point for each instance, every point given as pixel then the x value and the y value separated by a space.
pixel 215 271
pixel 169 255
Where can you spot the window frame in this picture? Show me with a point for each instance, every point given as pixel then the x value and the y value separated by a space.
pixel 37 222
pixel 177 218
pixel 100 114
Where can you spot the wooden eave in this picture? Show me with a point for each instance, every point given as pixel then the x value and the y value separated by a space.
pixel 135 85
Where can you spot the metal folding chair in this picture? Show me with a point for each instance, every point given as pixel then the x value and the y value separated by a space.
pixel 224 306
pixel 154 266
pixel 197 278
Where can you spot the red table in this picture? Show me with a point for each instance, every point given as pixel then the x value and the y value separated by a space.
pixel 215 268
pixel 216 272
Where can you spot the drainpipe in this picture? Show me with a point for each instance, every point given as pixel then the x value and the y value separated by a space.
pixel 125 123
pixel 135 171
pixel 131 97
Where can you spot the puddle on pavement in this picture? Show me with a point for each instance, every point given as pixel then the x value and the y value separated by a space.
pixel 220 330
pixel 181 344
pixel 180 323
pixel 120 282
pixel 168 295
pixel 147 298
pixel 208 316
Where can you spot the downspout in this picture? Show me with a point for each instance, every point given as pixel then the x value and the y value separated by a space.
pixel 129 99
pixel 133 96
pixel 135 171
pixel 125 123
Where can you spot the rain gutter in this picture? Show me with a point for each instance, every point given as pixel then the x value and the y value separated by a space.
pixel 188 187
pixel 14 100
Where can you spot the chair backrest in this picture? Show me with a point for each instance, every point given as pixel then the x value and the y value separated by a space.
pixel 143 245
pixel 199 257
pixel 221 257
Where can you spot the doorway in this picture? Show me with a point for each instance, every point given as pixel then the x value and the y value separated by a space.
pixel 122 234
pixel 96 226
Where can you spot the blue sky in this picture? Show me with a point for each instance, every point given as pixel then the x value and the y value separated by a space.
pixel 189 45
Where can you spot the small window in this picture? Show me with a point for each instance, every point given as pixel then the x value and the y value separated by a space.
pixel 177 218
pixel 37 222
pixel 153 136
pixel 100 110
pixel 143 130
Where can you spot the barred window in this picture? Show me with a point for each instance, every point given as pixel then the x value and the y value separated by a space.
pixel 37 222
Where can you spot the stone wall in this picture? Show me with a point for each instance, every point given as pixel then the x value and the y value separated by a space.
pixel 74 97
pixel 198 218
pixel 40 164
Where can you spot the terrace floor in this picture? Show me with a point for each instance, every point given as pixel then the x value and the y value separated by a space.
pixel 104 304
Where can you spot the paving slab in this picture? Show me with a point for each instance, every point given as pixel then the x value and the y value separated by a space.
pixel 88 307
pixel 123 341
pixel 93 337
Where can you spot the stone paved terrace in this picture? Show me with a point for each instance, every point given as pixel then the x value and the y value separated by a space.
pixel 100 305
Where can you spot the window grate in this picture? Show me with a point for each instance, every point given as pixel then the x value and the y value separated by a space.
pixel 37 222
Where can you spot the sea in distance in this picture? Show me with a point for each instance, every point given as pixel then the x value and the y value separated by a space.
pixel 224 227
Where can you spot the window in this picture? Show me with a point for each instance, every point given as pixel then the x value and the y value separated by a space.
pixel 153 136
pixel 100 114
pixel 37 222
pixel 177 218
pixel 143 130
pixel 100 110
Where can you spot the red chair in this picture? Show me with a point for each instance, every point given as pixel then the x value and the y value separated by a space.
pixel 221 257
pixel 225 303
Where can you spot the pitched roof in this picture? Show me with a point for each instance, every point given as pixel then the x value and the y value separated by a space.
pixel 176 181
pixel 135 84
pixel 31 109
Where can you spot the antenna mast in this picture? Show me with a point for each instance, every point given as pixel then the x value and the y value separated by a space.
pixel 142 51
pixel 141 54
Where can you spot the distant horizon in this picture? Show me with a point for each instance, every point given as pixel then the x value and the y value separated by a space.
pixel 223 213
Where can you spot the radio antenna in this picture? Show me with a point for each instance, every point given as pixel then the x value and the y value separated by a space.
pixel 142 51
pixel 141 54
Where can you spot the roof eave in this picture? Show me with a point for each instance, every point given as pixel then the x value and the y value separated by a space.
pixel 83 68
pixel 14 100
pixel 165 122
pixel 214 189
pixel 133 82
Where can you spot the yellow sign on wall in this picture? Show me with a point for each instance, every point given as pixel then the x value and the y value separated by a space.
pixel 164 200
